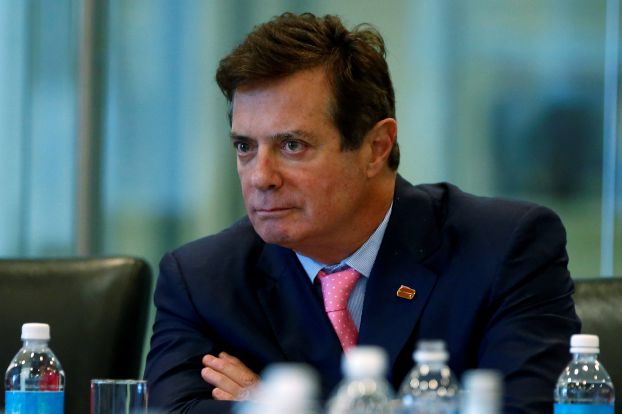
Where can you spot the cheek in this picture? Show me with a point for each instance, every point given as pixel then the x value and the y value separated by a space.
pixel 327 195
pixel 244 181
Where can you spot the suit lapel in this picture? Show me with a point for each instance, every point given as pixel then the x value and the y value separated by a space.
pixel 389 320
pixel 296 314
pixel 411 236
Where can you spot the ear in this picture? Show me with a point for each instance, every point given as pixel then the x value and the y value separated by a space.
pixel 380 139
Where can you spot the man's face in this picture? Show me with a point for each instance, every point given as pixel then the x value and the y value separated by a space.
pixel 300 189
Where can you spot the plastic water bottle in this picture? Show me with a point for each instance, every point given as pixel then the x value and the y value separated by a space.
pixel 364 389
pixel 483 392
pixel 285 388
pixel 430 387
pixel 35 381
pixel 584 386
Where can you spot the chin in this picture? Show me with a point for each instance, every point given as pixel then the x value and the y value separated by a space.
pixel 273 236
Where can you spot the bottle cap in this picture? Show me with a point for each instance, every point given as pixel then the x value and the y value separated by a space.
pixel 364 361
pixel 285 388
pixel 36 331
pixel 487 381
pixel 483 391
pixel 430 351
pixel 291 381
pixel 588 344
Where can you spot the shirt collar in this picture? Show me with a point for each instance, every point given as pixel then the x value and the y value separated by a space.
pixel 361 260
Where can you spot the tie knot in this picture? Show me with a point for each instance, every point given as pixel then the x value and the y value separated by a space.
pixel 336 288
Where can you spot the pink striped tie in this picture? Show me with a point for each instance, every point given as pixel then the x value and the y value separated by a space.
pixel 336 288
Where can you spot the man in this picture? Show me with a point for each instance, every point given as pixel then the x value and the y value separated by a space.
pixel 313 126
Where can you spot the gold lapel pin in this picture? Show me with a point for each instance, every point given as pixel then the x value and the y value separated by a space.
pixel 405 292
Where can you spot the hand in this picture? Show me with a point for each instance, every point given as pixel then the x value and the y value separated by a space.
pixel 232 380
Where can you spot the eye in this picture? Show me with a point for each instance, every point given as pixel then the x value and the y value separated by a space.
pixel 293 146
pixel 242 147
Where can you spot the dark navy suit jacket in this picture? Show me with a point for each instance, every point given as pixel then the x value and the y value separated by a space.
pixel 490 276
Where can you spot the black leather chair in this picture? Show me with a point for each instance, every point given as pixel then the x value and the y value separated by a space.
pixel 599 305
pixel 97 309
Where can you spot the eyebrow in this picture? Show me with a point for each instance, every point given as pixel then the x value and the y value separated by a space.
pixel 276 137
pixel 236 137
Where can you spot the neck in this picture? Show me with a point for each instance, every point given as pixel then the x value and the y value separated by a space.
pixel 359 233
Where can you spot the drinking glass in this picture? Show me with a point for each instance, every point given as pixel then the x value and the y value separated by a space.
pixel 110 396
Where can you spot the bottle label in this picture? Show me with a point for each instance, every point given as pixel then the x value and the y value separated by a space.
pixel 583 409
pixel 34 402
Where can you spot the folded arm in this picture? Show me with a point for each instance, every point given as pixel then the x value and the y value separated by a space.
pixel 186 370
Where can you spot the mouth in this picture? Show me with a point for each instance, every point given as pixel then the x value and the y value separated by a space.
pixel 272 212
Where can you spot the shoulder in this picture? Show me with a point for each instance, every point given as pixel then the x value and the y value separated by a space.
pixel 459 210
pixel 456 222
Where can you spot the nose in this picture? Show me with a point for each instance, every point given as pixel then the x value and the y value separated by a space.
pixel 265 174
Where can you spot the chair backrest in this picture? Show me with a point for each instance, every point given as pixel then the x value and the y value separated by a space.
pixel 97 309
pixel 599 305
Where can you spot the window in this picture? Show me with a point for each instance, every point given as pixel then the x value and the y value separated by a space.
pixel 501 98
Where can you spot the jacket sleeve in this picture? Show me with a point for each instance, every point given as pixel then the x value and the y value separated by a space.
pixel 532 314
pixel 179 341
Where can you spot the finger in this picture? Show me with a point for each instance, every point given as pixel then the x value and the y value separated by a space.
pixel 221 395
pixel 228 357
pixel 224 356
pixel 207 358
pixel 221 381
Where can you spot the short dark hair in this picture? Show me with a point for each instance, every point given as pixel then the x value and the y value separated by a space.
pixel 354 61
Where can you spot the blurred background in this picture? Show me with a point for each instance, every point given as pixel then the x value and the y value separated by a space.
pixel 114 136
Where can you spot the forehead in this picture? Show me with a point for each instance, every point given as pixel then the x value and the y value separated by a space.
pixel 288 102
